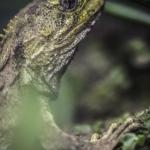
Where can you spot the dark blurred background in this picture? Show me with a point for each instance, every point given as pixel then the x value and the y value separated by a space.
pixel 110 74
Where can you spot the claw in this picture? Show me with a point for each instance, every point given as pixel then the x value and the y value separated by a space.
pixel 110 131
pixel 95 137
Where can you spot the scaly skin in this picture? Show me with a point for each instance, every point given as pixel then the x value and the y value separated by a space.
pixel 35 49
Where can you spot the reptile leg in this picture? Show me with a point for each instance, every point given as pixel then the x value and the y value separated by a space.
pixel 110 138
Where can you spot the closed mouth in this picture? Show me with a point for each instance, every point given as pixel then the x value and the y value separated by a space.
pixel 85 26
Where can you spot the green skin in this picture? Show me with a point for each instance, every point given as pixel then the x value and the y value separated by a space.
pixel 38 44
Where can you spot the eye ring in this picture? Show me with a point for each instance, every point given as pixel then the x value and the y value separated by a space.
pixel 69 5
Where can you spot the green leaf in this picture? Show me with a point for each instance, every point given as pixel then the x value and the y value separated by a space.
pixel 128 12
pixel 130 141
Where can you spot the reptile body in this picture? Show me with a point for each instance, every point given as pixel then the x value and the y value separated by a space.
pixel 35 49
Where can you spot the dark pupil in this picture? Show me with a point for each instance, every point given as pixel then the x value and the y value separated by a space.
pixel 68 4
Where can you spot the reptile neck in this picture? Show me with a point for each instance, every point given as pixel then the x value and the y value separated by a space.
pixel 8 77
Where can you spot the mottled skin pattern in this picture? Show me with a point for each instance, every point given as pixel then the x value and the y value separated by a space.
pixel 35 49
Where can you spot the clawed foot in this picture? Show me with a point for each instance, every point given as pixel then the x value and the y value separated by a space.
pixel 110 139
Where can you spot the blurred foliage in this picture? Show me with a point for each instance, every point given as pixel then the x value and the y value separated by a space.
pixel 130 141
pixel 29 127
pixel 126 11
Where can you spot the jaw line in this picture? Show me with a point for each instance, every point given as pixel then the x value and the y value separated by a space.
pixel 84 27
pixel 78 33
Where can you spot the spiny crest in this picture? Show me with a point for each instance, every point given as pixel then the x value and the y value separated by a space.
pixel 9 28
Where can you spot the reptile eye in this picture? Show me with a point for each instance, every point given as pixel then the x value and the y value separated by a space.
pixel 69 4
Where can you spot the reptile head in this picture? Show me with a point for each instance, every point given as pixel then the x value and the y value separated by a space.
pixel 59 25
pixel 72 19
pixel 63 23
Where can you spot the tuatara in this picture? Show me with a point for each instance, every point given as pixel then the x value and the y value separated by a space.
pixel 35 49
